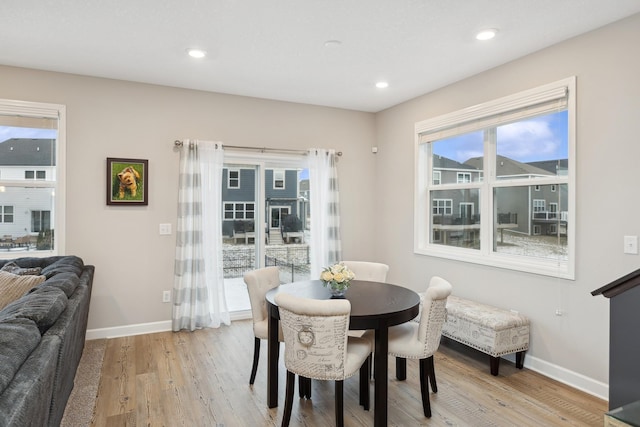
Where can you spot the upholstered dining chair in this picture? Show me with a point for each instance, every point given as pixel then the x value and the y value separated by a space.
pixel 316 346
pixel 365 270
pixel 259 282
pixel 413 340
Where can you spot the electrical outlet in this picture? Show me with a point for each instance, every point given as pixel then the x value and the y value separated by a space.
pixel 166 296
pixel 165 229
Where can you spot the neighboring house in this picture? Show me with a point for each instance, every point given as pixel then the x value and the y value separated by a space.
pixel 529 209
pixel 26 210
pixel 239 191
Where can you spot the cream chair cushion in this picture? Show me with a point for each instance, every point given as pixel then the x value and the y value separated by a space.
pixel 414 340
pixel 372 271
pixel 259 282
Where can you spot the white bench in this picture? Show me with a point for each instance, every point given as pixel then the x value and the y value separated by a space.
pixel 488 329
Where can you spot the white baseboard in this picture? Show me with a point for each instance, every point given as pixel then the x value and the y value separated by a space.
pixel 565 376
pixel 147 328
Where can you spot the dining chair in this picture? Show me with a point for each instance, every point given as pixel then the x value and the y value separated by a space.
pixel 259 282
pixel 365 270
pixel 413 340
pixel 316 346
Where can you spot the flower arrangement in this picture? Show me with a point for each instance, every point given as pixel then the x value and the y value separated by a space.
pixel 337 277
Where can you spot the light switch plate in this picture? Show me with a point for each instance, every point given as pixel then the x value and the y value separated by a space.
pixel 631 245
pixel 165 229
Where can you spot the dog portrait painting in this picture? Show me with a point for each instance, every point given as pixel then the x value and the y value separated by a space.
pixel 127 181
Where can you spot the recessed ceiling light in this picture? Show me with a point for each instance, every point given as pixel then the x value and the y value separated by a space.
pixel 196 53
pixel 332 43
pixel 382 85
pixel 487 34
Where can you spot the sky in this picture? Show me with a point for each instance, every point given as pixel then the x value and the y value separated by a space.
pixel 8 132
pixel 539 138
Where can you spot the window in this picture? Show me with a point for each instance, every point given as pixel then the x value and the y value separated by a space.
pixel 442 206
pixel 538 205
pixel 278 179
pixel 40 220
pixel 437 177
pixel 239 210
pixel 30 174
pixel 464 177
pixel 233 178
pixel 6 214
pixel 32 165
pixel 503 172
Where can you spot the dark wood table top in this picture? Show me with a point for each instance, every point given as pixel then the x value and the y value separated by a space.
pixel 373 304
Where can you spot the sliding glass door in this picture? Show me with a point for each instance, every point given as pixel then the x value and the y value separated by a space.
pixel 265 221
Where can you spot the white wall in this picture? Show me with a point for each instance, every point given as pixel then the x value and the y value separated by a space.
pixel 574 346
pixel 109 118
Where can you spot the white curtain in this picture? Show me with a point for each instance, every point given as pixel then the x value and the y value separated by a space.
pixel 198 291
pixel 325 210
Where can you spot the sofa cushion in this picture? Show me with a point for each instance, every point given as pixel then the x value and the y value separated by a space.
pixel 12 267
pixel 67 282
pixel 13 286
pixel 18 338
pixel 43 306
pixel 65 264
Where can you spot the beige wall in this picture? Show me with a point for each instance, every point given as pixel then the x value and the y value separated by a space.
pixel 108 118
pixel 608 131
pixel 134 264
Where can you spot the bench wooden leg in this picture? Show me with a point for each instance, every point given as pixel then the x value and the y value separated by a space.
pixel 495 365
pixel 520 359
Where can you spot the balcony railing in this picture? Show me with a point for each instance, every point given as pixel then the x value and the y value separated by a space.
pixel 550 216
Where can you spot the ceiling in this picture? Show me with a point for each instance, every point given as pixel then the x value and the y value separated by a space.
pixel 276 49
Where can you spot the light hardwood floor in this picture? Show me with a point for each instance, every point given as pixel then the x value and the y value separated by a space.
pixel 202 379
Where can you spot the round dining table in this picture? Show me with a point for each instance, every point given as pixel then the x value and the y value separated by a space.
pixel 374 305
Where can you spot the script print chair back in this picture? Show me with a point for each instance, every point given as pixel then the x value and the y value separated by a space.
pixel 316 346
pixel 259 282
pixel 420 340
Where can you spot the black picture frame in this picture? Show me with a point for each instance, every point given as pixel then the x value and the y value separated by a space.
pixel 127 182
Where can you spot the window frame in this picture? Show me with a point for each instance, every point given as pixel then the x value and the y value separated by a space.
pixel 485 116
pixel 13 108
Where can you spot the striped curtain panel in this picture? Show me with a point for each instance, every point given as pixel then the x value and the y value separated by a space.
pixel 325 210
pixel 198 291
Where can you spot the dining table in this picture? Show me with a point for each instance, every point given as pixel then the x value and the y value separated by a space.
pixel 374 306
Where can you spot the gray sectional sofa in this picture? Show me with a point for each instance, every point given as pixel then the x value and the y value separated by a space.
pixel 42 335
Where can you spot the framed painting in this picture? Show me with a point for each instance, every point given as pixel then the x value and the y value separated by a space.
pixel 127 182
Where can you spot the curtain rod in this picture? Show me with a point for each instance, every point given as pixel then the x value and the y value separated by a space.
pixel 179 143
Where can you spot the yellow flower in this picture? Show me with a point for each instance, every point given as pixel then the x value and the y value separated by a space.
pixel 326 276
pixel 339 277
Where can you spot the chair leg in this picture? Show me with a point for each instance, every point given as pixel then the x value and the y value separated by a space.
pixel 256 356
pixel 401 368
pixel 424 387
pixel 288 400
pixel 365 370
pixel 304 387
pixel 432 375
pixel 339 403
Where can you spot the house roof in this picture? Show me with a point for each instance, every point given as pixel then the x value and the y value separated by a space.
pixel 509 167
pixel 440 162
pixel 27 152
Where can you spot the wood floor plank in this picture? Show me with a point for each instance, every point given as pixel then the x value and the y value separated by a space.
pixel 201 378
